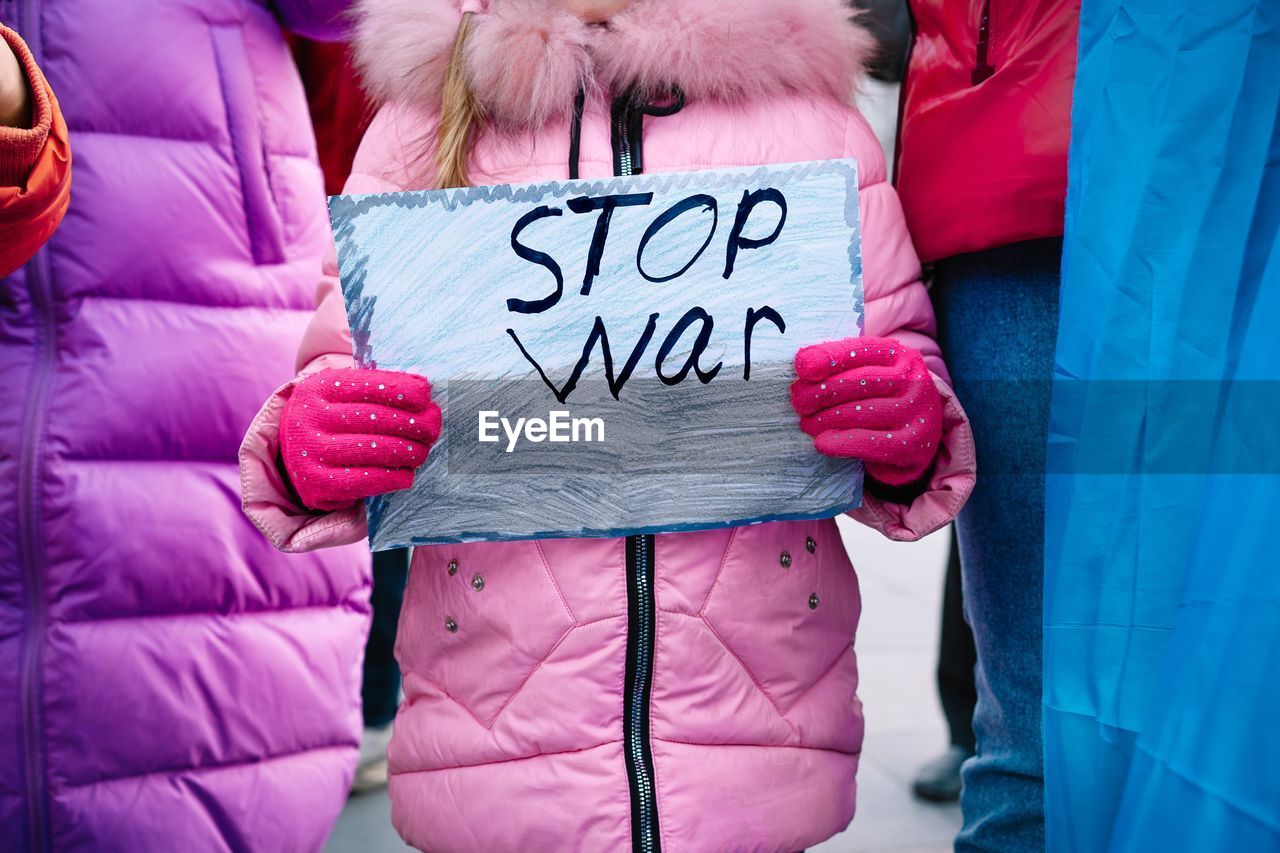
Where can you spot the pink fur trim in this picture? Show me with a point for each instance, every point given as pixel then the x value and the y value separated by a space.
pixel 403 47
pixel 528 58
pixel 734 49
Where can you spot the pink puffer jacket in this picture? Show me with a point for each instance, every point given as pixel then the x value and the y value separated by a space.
pixel 686 692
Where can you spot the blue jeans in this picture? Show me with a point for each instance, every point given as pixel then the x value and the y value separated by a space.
pixel 998 319
pixel 380 691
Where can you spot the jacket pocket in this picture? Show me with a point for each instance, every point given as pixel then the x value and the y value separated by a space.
pixel 262 215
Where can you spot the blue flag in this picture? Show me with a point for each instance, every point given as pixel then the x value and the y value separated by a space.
pixel 1162 589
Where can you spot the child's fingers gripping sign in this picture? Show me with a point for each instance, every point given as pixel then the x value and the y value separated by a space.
pixel 328 488
pixel 372 450
pixel 873 413
pixel 861 383
pixel 407 391
pixel 378 419
pixel 855 369
pixel 351 434
pixel 871 399
pixel 883 446
pixel 817 362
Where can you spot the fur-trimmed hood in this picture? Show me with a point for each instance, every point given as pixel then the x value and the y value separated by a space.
pixel 527 59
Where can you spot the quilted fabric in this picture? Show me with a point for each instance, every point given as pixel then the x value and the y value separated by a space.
pixel 166 677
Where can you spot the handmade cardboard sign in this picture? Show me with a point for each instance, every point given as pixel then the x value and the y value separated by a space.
pixel 612 356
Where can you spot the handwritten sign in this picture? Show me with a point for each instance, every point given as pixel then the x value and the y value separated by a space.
pixel 611 356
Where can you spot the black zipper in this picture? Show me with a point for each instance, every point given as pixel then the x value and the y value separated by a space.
pixel 982 68
pixel 628 119
pixel 641 626
pixel 627 114
pixel 30 544
pixel 628 125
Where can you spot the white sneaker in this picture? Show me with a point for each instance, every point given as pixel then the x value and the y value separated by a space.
pixel 371 772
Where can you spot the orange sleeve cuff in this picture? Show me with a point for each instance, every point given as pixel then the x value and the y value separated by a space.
pixel 20 147
pixel 35 169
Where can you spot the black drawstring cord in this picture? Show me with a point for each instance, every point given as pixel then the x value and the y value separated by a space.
pixel 631 110
pixel 575 133
pixel 676 105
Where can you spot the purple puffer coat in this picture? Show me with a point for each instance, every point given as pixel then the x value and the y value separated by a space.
pixel 167 679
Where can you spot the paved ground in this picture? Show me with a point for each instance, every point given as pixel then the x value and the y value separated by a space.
pixel 897 641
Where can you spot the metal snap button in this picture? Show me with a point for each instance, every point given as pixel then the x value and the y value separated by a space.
pixel 477 583
pixel 450 625
pixel 453 567
pixel 813 601
pixel 785 559
pixel 810 545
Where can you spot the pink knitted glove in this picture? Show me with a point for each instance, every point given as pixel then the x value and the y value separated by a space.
pixel 351 434
pixel 871 399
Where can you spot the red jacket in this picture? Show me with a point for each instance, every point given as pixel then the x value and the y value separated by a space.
pixel 986 121
pixel 35 169
pixel 340 112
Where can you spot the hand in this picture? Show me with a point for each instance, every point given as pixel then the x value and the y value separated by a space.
pixel 871 399
pixel 15 97
pixel 351 434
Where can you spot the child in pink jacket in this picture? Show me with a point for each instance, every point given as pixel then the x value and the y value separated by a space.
pixel 689 691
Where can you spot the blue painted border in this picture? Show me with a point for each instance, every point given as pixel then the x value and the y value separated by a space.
pixel 344 210
pixel 593 533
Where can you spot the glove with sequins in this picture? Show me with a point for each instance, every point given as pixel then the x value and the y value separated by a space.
pixel 350 434
pixel 871 399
